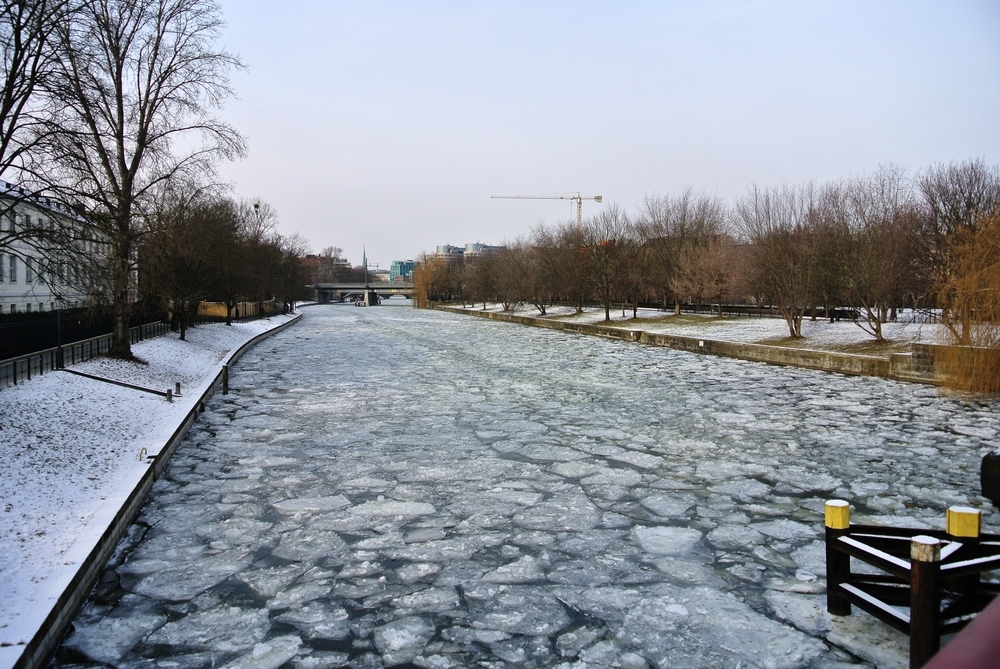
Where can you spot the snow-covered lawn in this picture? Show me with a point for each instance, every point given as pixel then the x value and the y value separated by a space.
pixel 821 334
pixel 70 448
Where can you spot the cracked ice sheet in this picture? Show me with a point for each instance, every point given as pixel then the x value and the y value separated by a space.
pixel 479 493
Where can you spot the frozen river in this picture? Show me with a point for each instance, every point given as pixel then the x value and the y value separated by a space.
pixel 386 486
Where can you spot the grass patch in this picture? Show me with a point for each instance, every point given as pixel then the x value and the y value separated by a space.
pixel 873 348
pixel 882 349
pixel 684 320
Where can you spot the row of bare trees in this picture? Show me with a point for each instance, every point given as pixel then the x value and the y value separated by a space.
pixel 863 247
pixel 108 108
pixel 211 248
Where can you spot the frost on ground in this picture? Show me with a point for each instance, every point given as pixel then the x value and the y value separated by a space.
pixel 391 487
pixel 71 446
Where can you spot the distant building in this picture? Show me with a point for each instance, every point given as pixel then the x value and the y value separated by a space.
pixel 401 271
pixel 455 253
pixel 479 250
pixel 450 253
pixel 325 269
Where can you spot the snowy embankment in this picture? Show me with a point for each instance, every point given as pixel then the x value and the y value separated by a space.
pixel 820 334
pixel 73 448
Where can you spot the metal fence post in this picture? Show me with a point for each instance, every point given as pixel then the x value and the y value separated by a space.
pixel 925 599
pixel 963 524
pixel 838 564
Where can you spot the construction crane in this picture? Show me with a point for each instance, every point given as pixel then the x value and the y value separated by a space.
pixel 575 197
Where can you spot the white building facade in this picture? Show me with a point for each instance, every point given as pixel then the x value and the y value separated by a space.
pixel 42 254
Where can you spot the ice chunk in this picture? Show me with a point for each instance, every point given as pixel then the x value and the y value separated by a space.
pixel 703 627
pixel 569 644
pixel 311 504
pixel 388 507
pixel 269 581
pixel 743 489
pixel 785 529
pixel 812 557
pixel 402 640
pixel 268 655
pixel 411 573
pixel 228 629
pixel 107 639
pixel 735 537
pixel 318 620
pixel 806 612
pixel 641 460
pixel 565 511
pixel 668 506
pixel 666 540
pixel 618 477
pixel 870 639
pixel 436 600
pixel 181 583
pixel 517 610
pixel 525 570
pixel 303 545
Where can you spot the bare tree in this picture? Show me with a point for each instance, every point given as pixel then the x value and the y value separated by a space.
pixel 709 271
pixel 974 290
pixel 958 197
pixel 133 95
pixel 26 31
pixel 611 246
pixel 879 212
pixel 564 256
pixel 29 55
pixel 182 259
pixel 778 224
pixel 667 226
pixel 291 273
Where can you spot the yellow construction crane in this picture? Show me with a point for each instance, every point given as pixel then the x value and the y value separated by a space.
pixel 573 196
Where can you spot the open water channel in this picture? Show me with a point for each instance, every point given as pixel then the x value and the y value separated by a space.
pixel 390 487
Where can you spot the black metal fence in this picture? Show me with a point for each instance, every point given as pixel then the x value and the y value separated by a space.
pixel 22 368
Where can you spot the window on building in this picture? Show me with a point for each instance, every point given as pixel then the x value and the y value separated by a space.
pixel 13 308
pixel 41 306
pixel 27 307
pixel 29 270
pixel 12 274
pixel 3 276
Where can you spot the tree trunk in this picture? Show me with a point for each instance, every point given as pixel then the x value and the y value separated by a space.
pixel 181 314
pixel 121 347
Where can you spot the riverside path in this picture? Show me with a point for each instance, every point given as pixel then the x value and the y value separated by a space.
pixel 390 487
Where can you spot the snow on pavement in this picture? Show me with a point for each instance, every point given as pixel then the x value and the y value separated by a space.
pixel 70 448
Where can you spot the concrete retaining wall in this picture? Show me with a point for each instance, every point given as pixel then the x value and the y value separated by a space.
pixel 917 367
pixel 37 652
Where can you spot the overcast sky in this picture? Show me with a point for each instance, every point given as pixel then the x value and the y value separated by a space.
pixel 390 124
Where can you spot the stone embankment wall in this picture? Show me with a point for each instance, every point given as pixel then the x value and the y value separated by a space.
pixel 917 367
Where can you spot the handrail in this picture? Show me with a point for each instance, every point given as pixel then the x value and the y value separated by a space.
pixel 21 368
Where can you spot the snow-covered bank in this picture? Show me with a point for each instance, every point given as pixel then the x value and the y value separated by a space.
pixel 820 334
pixel 73 449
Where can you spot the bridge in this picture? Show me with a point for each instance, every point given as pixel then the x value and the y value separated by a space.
pixel 343 292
